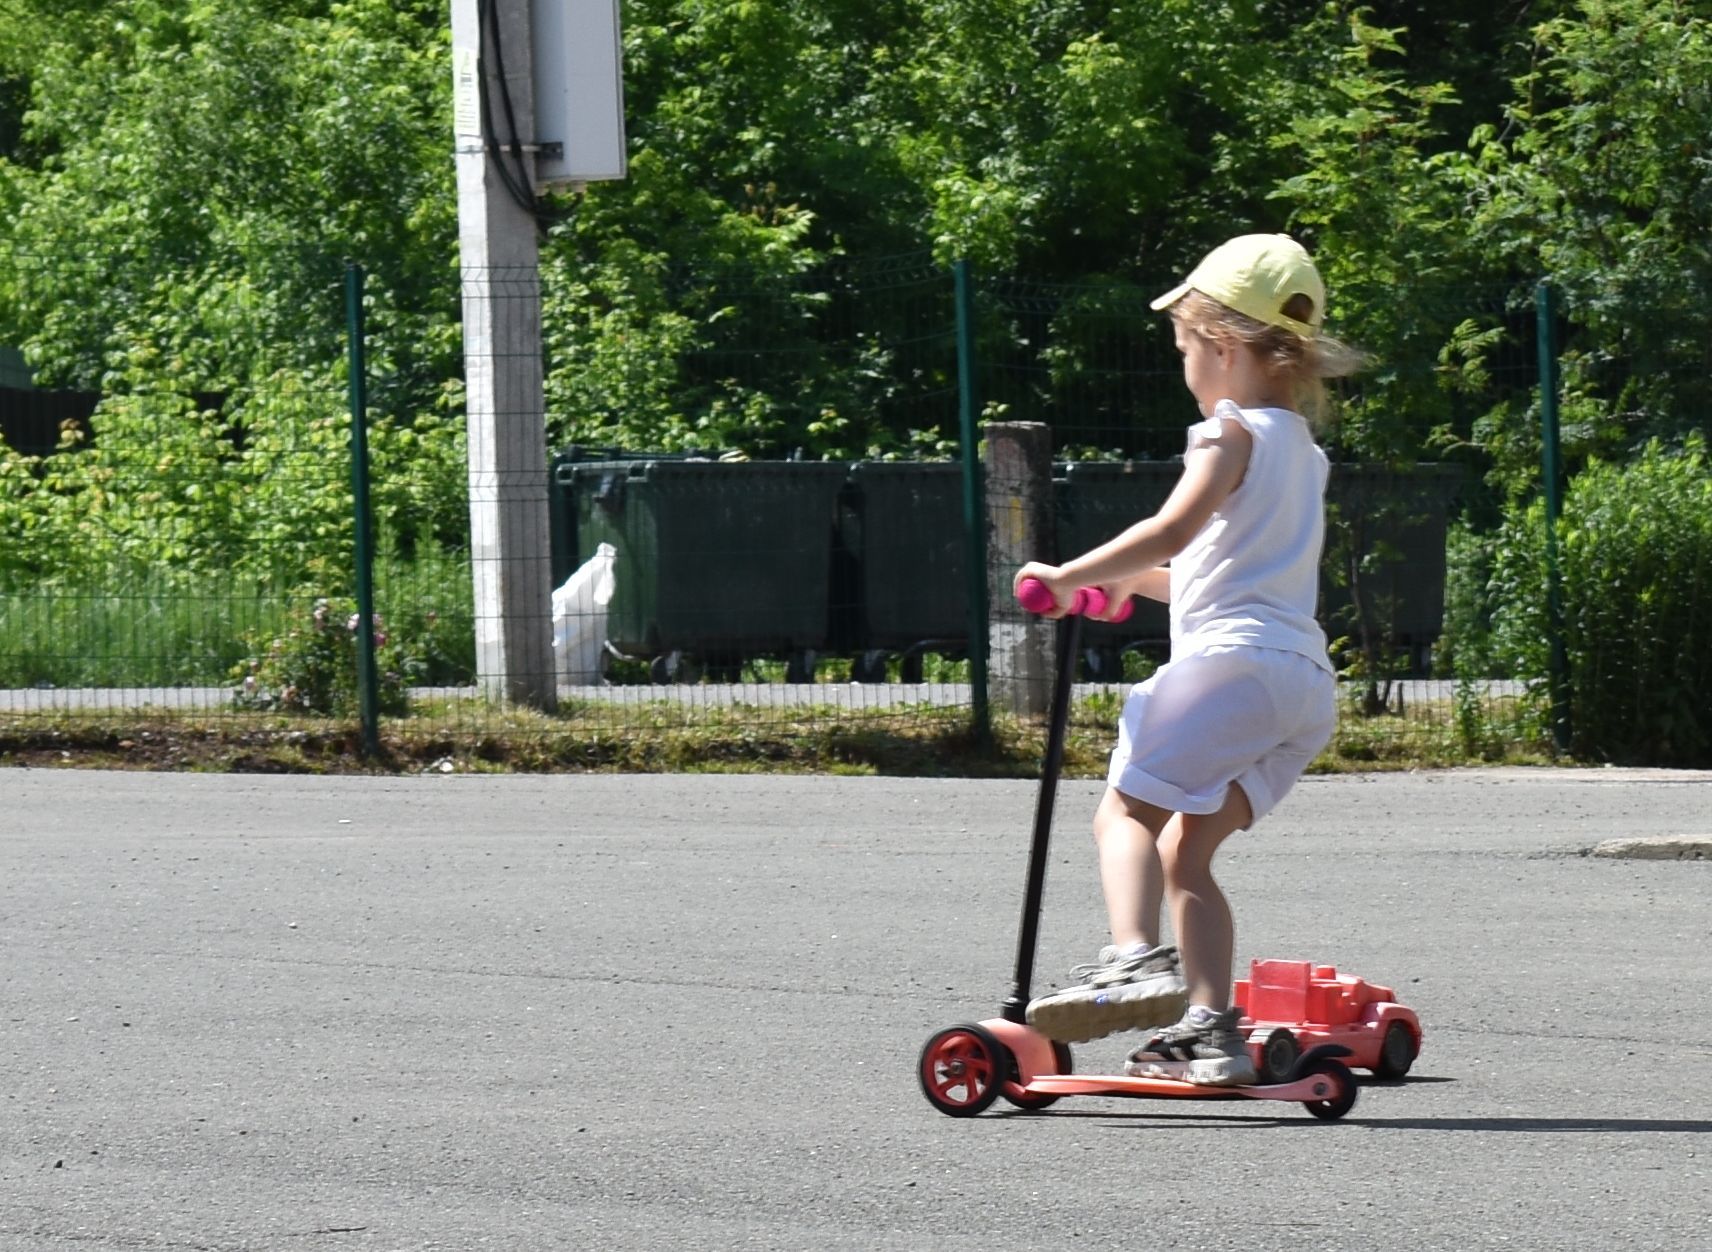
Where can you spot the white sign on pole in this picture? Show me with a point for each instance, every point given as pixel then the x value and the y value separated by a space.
pixel 466 92
pixel 579 91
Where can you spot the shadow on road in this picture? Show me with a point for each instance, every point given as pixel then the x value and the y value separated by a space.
pixel 1525 1125
pixel 1139 1120
pixel 1522 1125
pixel 1541 1125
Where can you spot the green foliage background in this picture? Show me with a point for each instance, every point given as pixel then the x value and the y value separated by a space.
pixel 180 184
pixel 1636 554
pixel 180 181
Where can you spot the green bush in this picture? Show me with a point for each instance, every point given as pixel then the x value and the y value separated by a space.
pixel 1464 648
pixel 312 668
pixel 1635 544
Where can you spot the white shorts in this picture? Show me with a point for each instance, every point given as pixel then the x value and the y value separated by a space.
pixel 1252 716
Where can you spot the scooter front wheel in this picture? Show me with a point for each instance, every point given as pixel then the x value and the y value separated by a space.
pixel 962 1070
pixel 1033 1103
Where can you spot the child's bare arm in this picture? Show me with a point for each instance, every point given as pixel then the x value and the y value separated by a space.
pixel 1154 584
pixel 1131 563
pixel 1210 473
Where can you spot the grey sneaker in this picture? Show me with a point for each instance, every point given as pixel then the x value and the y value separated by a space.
pixel 1117 992
pixel 1211 1053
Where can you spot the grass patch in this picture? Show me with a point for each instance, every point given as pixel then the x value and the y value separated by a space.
pixel 1422 742
pixel 150 630
pixel 462 736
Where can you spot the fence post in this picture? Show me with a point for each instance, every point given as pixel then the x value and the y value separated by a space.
pixel 1551 472
pixel 974 504
pixel 368 697
pixel 1019 502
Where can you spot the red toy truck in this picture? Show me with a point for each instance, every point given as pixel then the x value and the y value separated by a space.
pixel 1290 1006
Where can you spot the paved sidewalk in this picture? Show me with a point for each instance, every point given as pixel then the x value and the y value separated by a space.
pixel 762 695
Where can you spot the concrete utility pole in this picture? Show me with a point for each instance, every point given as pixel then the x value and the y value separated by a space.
pixel 1019 513
pixel 509 537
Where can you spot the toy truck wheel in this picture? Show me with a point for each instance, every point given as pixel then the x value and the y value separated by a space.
pixel 1397 1052
pixel 1279 1053
pixel 962 1070
pixel 1032 1103
pixel 1340 1094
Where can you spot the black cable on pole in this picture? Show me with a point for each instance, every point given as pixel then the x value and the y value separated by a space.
pixel 517 182
pixel 516 147
pixel 487 29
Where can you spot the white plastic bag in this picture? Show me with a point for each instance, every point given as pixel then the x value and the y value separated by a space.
pixel 579 618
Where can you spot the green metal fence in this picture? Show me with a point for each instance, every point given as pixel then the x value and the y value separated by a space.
pixel 781 470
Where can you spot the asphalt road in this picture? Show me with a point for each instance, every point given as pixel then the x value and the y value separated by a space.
pixel 683 1013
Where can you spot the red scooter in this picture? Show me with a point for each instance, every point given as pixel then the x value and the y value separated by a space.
pixel 964 1069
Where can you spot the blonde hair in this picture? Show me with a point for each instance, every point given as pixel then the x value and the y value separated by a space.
pixel 1302 364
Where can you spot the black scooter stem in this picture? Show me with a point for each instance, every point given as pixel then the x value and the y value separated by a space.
pixel 1015 1009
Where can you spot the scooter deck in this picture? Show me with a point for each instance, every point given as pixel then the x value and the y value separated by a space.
pixel 1036 1061
pixel 1314 1087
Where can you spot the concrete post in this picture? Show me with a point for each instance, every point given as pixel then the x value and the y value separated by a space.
pixel 1018 473
pixel 499 262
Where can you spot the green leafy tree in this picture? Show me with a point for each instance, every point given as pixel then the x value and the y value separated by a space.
pixel 1380 197
pixel 707 300
pixel 1599 181
pixel 184 186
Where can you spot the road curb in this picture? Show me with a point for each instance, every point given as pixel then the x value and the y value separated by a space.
pixel 1661 848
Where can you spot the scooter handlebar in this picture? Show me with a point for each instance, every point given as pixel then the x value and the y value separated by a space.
pixel 1034 596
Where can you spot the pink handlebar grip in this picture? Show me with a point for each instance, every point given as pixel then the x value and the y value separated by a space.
pixel 1088 600
pixel 1033 595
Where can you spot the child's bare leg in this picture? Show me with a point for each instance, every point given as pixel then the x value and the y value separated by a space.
pixel 1136 989
pixel 1127 833
pixel 1200 915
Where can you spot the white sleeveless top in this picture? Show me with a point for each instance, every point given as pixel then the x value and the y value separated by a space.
pixel 1251 576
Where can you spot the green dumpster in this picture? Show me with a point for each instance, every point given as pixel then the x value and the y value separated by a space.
pixel 901 527
pixel 1393 523
pixel 561 511
pixel 1095 501
pixel 1398 515
pixel 721 560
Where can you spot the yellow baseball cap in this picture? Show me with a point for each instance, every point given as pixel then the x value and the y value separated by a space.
pixel 1257 275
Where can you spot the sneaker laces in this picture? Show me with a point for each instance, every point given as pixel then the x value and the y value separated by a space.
pixel 1117 966
pixel 1138 967
pixel 1086 970
pixel 1177 1042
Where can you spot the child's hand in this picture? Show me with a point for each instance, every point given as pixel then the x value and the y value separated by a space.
pixel 1052 578
pixel 1118 607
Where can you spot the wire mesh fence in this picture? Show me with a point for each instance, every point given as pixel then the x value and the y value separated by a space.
pixel 755 514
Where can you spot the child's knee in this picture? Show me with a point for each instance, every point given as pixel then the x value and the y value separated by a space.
pixel 1186 854
pixel 1125 814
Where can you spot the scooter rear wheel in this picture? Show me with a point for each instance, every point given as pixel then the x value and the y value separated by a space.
pixel 1340 1098
pixel 962 1070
